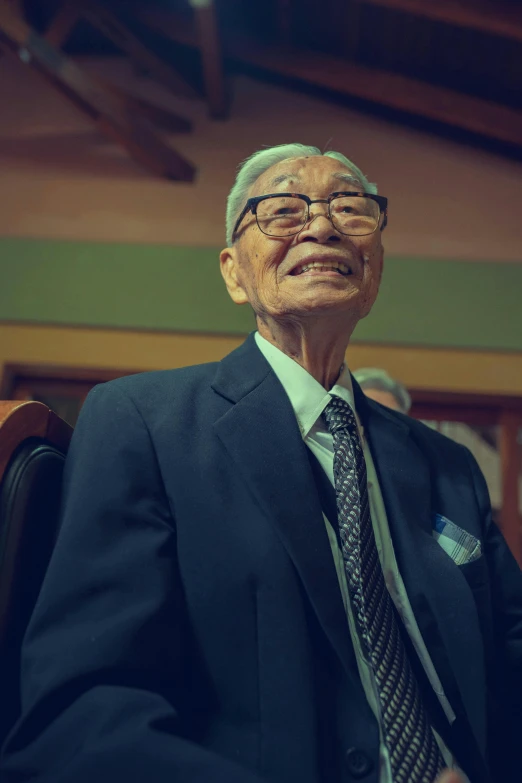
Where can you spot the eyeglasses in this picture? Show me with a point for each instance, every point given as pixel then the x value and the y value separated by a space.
pixel 285 214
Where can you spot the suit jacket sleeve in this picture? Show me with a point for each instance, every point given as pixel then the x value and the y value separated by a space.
pixel 505 679
pixel 105 660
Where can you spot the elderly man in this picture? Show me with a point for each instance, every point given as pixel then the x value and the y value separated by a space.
pixel 380 386
pixel 261 575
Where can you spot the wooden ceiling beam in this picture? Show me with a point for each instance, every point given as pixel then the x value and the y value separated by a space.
pixel 211 56
pixel 394 91
pixel 113 116
pixel 57 34
pixel 62 25
pixel 488 17
pixel 121 36
pixel 157 115
pixel 487 119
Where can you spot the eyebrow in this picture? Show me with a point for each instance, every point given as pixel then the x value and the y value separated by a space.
pixel 348 178
pixel 281 178
pixel 343 176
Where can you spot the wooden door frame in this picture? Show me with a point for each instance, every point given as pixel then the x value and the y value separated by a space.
pixel 14 373
pixel 502 411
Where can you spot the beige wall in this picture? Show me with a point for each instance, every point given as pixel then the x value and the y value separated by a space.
pixel 59 179
pixel 486 372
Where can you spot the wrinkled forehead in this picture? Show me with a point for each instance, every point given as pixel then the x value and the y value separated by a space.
pixel 314 176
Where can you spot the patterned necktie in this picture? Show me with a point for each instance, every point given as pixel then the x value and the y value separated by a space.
pixel 414 754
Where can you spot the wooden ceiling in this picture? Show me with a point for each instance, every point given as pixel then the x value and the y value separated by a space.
pixel 453 67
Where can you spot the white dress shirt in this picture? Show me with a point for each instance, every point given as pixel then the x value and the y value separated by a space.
pixel 309 399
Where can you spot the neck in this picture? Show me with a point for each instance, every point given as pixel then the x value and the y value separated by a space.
pixel 317 347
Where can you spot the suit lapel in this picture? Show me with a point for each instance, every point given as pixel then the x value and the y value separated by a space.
pixel 431 580
pixel 261 435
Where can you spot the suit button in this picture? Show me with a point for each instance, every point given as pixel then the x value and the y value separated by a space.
pixel 358 763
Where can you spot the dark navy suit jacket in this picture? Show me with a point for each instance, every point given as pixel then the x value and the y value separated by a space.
pixel 191 627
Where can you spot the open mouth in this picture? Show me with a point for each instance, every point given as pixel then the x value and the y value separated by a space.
pixel 318 267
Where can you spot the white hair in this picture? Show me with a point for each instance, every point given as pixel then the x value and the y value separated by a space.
pixel 255 165
pixel 374 378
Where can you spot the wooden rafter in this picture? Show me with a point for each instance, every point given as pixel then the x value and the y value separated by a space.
pixel 162 118
pixel 393 90
pixel 112 114
pixel 62 25
pixel 71 12
pixel 211 56
pixel 57 34
pixel 478 116
pixel 475 14
pixel 113 29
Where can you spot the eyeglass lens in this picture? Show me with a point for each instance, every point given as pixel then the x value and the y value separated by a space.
pixel 285 215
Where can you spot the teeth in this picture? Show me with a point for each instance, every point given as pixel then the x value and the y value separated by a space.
pixel 343 268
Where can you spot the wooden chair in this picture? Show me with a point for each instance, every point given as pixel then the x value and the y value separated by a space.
pixel 33 445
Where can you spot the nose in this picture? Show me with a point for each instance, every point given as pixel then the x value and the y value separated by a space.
pixel 319 228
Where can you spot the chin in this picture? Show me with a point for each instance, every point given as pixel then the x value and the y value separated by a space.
pixel 311 309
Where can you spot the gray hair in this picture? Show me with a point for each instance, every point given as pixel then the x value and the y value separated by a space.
pixel 252 168
pixel 373 378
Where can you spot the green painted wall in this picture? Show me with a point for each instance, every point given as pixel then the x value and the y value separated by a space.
pixel 422 302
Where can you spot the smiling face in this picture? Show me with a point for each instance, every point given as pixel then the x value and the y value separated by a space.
pixel 318 271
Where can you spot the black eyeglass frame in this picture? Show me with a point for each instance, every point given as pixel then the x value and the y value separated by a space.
pixel 251 206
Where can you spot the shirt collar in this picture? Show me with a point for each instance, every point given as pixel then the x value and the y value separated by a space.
pixel 307 397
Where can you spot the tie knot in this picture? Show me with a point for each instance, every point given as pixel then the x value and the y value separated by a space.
pixel 338 415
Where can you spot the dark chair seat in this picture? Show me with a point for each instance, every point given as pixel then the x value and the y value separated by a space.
pixel 33 444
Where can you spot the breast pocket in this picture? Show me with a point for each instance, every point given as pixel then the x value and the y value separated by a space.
pixel 475 573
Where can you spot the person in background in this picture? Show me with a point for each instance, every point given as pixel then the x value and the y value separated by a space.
pixel 380 386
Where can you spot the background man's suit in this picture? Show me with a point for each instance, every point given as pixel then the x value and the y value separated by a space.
pixel 191 626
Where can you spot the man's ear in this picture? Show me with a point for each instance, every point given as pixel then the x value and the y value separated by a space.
pixel 228 262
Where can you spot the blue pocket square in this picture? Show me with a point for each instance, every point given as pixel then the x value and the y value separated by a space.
pixel 461 546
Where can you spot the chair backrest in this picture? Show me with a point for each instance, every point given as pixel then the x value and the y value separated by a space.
pixel 33 445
